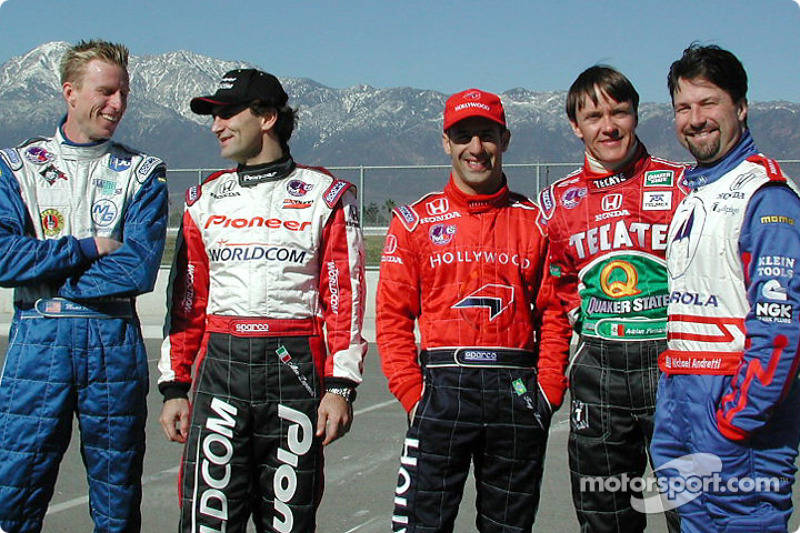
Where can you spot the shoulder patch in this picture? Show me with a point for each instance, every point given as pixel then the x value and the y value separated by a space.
pixel 147 166
pixel 408 217
pixel 547 202
pixel 772 167
pixel 193 194
pixel 335 192
pixel 12 158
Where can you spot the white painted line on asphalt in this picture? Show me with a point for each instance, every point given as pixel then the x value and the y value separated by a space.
pixel 365 524
pixel 374 407
pixel 83 500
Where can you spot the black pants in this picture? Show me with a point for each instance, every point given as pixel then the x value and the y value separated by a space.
pixel 613 389
pixel 251 447
pixel 492 417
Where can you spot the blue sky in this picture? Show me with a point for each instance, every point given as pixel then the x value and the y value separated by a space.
pixel 435 44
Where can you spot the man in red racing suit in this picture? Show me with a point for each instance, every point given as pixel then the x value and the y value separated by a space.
pixel 269 266
pixel 467 263
pixel 607 224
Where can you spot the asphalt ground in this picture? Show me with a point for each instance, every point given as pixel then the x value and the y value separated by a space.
pixel 361 471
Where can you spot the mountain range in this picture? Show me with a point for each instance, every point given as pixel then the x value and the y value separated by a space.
pixel 358 125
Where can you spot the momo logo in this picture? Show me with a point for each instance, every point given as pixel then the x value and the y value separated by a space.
pixel 612 202
pixel 438 207
pixel 495 298
pixel 619 279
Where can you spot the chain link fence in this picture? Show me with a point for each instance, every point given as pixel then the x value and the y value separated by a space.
pixel 383 187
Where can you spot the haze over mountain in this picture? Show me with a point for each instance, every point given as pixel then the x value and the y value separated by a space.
pixel 358 125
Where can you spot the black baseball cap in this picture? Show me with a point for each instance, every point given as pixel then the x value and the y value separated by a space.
pixel 242 86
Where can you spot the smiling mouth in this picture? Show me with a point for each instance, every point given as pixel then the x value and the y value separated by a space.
pixel 110 118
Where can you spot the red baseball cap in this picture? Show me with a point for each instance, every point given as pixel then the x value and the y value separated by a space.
pixel 473 103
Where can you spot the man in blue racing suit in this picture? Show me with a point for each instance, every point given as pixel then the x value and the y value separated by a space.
pixel 82 227
pixel 728 411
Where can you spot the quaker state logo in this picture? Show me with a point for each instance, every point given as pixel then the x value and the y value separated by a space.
pixel 52 222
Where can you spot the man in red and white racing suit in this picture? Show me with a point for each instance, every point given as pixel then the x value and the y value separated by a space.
pixel 268 271
pixel 607 224
pixel 467 264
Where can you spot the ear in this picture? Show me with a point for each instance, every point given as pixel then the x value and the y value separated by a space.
pixel 741 111
pixel 446 143
pixel 505 140
pixel 576 130
pixel 268 120
pixel 68 91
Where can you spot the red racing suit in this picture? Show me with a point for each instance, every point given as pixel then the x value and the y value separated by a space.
pixel 269 269
pixel 468 269
pixel 608 237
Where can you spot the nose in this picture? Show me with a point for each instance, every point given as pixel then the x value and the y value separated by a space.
pixel 218 125
pixel 608 125
pixel 475 144
pixel 117 100
pixel 697 118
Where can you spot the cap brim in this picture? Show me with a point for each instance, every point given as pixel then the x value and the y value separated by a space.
pixel 474 113
pixel 202 105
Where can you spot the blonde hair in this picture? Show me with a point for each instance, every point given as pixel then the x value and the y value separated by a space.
pixel 77 57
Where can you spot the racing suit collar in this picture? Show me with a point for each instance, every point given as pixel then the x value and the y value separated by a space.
pixel 276 170
pixel 79 152
pixel 700 175
pixel 599 178
pixel 477 203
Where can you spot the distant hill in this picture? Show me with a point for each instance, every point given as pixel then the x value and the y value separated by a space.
pixel 358 125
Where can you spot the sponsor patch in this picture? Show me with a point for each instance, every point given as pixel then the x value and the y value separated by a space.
pixel 742 180
pixel 555 270
pixel 291 203
pixel 390 246
pixel 52 222
pixel 225 190
pixel 659 178
pixel 38 155
pixel 147 166
pixel 12 156
pixel 777 219
pixel 773 312
pixel 439 206
pixel 657 201
pixel 335 192
pixel 478 356
pixel 119 164
pixel 612 202
pixel 519 387
pixel 408 217
pixel 298 188
pixel 107 187
pixel 52 175
pixel 773 290
pixel 546 199
pixel 572 197
pixel 104 212
pixel 442 234
pixel 193 194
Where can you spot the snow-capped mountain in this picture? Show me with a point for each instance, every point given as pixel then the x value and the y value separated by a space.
pixel 359 125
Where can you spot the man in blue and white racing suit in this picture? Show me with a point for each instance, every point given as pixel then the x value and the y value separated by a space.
pixel 728 412
pixel 82 227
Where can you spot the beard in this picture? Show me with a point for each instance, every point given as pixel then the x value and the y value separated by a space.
pixel 703 152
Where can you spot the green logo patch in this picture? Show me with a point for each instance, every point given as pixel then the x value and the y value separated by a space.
pixel 659 178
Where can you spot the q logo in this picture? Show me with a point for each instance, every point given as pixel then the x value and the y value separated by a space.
pixel 619 288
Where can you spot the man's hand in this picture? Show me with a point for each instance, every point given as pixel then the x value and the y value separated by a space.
pixel 335 417
pixel 175 419
pixel 105 245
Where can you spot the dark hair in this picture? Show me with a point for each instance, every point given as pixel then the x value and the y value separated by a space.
pixel 287 119
pixel 712 63
pixel 605 79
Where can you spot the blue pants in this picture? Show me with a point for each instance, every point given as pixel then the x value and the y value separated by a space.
pixel 719 484
pixel 97 369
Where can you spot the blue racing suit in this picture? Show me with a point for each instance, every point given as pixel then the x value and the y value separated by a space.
pixel 75 343
pixel 728 414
